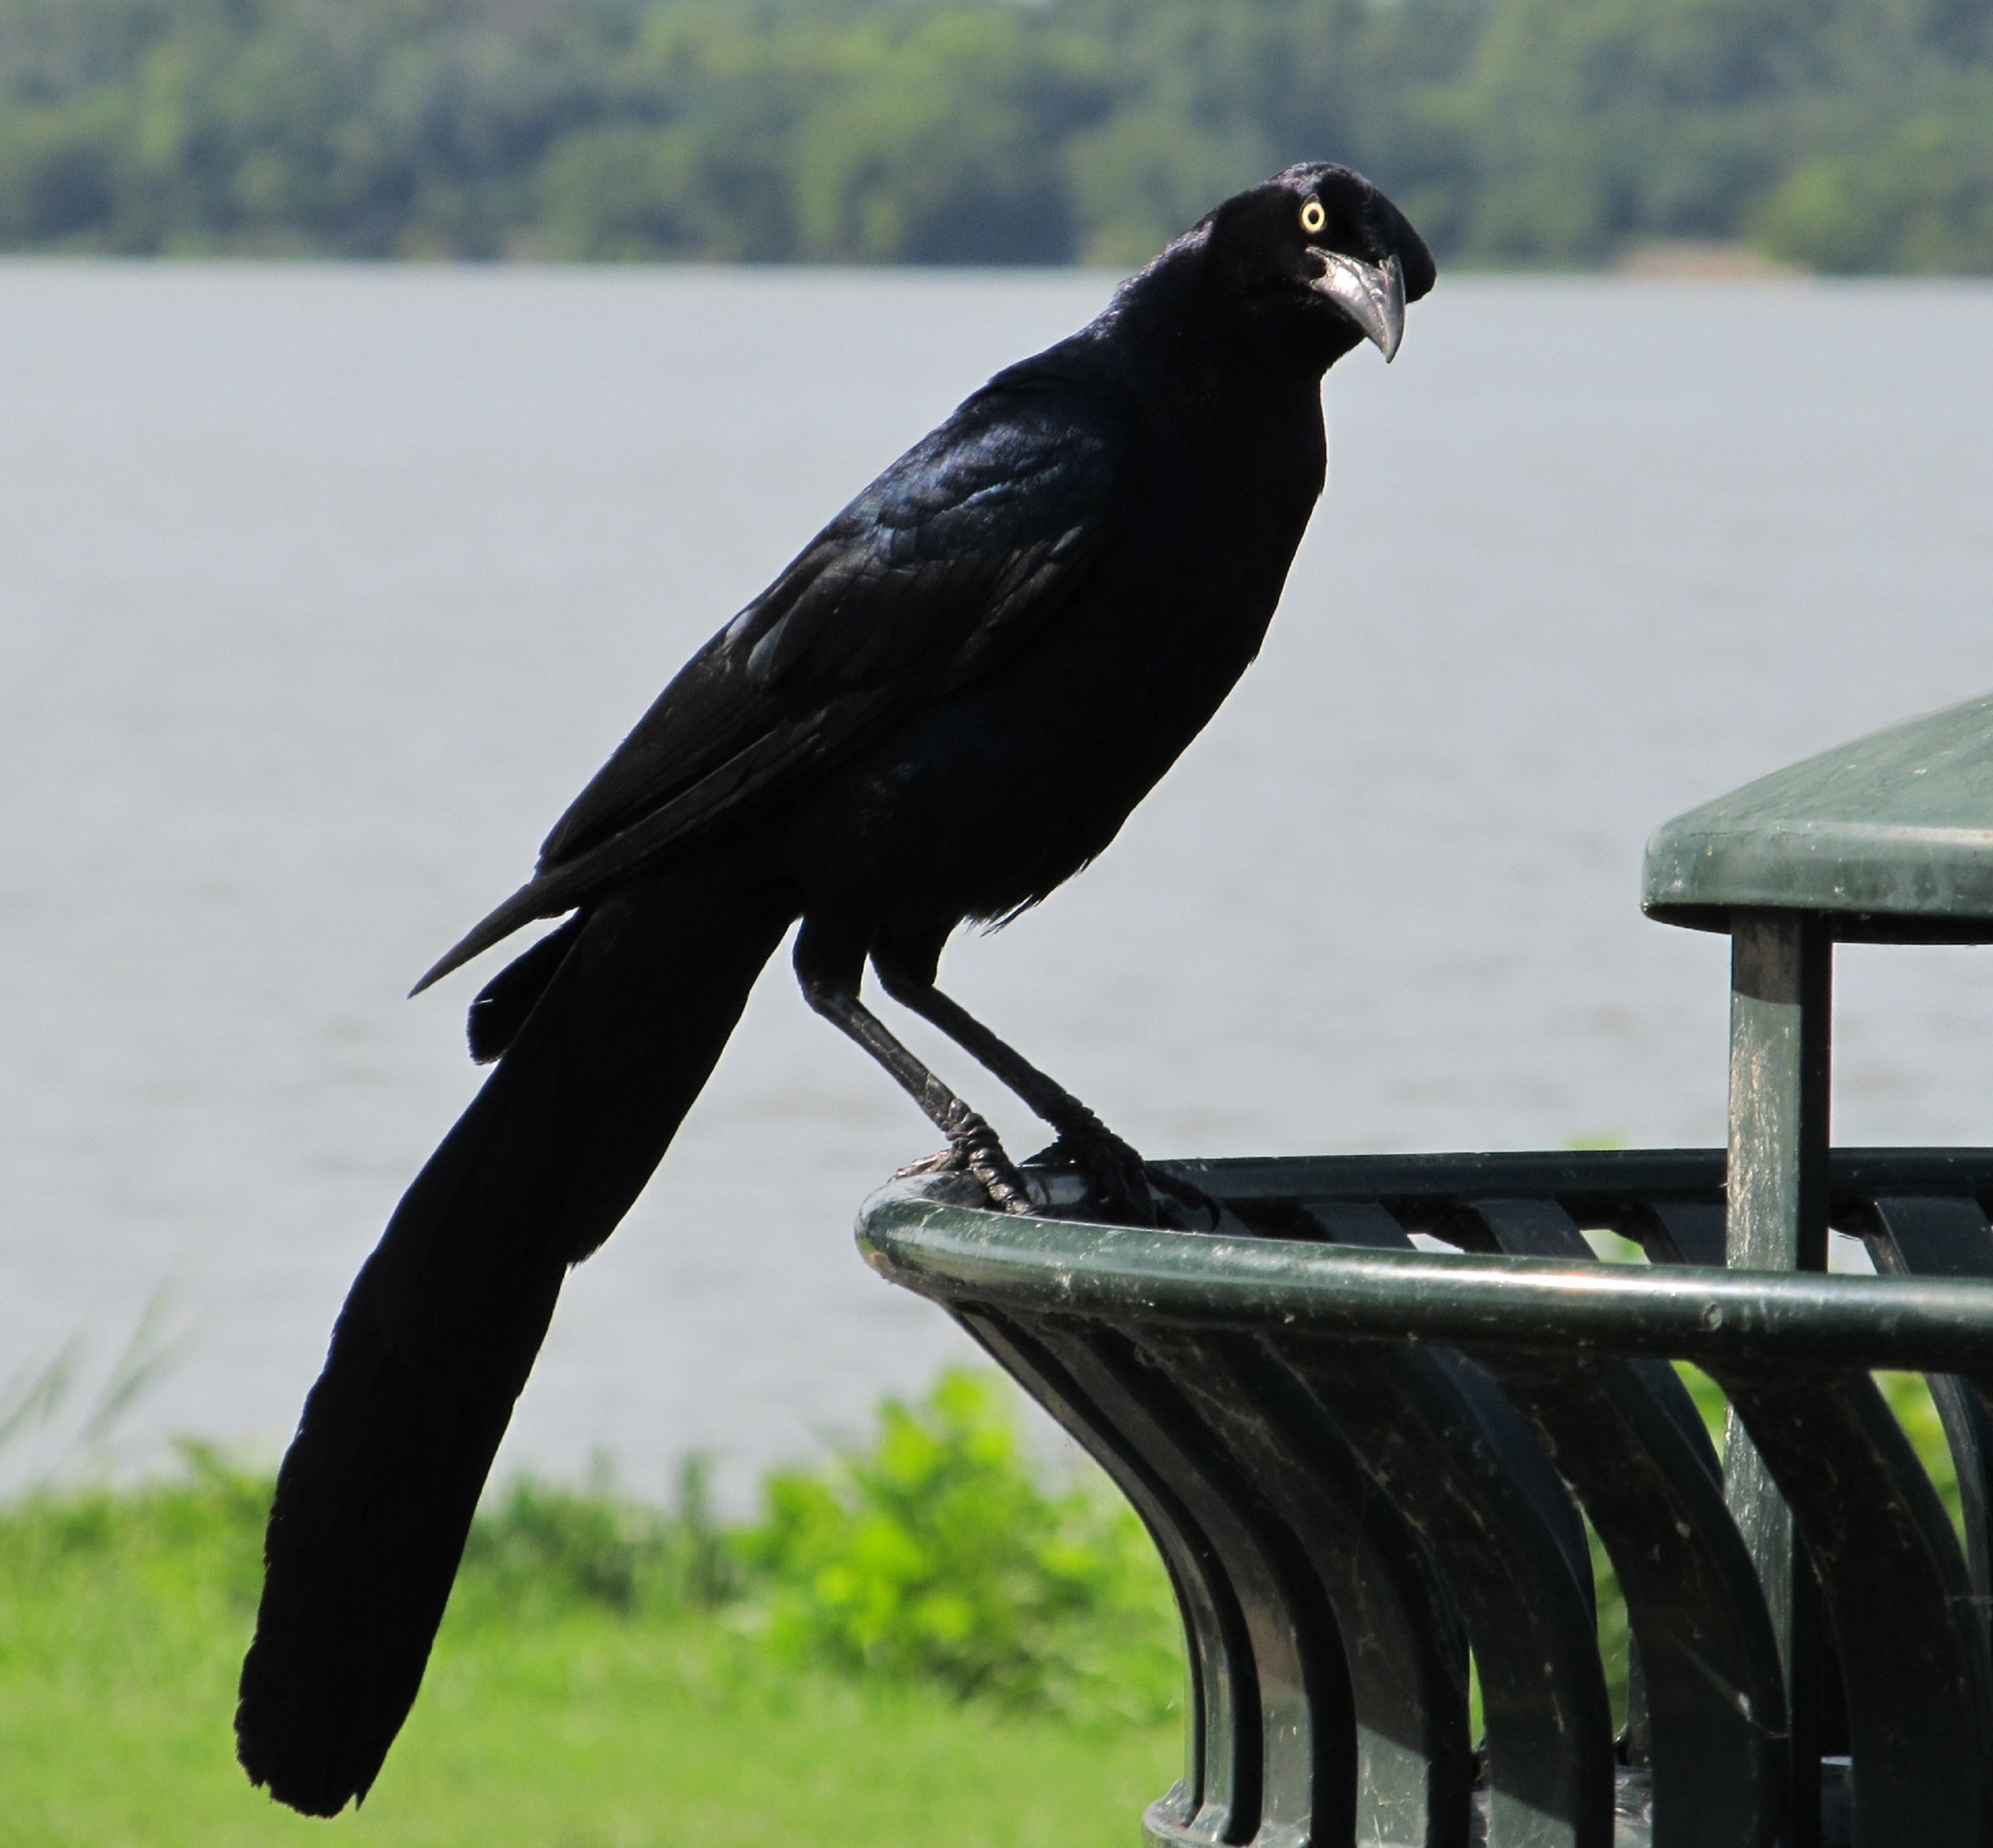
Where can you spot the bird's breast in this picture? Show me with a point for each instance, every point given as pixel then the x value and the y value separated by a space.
pixel 986 799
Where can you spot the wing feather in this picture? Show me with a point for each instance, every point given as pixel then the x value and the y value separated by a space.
pixel 955 555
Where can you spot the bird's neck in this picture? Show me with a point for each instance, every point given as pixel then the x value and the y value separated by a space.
pixel 1172 324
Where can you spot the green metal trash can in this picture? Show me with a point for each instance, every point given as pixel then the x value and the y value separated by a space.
pixel 1361 1413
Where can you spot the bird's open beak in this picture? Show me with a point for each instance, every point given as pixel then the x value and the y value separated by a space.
pixel 1374 297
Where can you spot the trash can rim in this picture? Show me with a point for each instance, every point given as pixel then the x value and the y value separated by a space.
pixel 914 1234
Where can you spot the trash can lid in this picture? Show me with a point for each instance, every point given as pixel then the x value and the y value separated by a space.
pixel 1890 837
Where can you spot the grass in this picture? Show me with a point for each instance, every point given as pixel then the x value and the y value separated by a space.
pixel 610 1677
pixel 586 1731
pixel 922 1641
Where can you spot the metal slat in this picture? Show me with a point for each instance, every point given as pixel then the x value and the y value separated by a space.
pixel 1629 1439
pixel 1299 1691
pixel 1405 1655
pixel 1919 1694
pixel 1221 1768
pixel 1715 1692
pixel 1947 1238
pixel 1438 1438
pixel 1678 1232
pixel 1542 1229
pixel 1595 1186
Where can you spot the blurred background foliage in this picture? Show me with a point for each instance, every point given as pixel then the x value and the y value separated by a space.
pixel 937 1634
pixel 940 1553
pixel 1845 135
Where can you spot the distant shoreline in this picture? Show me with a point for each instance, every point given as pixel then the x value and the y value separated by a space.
pixel 1557 134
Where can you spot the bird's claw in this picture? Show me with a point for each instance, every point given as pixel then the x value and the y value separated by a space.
pixel 1115 1172
pixel 1182 1206
pixel 1122 1188
pixel 973 1150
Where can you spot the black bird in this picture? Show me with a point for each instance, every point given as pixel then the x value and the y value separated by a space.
pixel 943 708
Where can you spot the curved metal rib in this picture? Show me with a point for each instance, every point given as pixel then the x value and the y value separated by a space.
pixel 1715 1691
pixel 1919 1693
pixel 1306 1726
pixel 1678 1232
pixel 1947 1238
pixel 1405 1655
pixel 1222 1768
pixel 1437 1436
pixel 1628 1438
pixel 1542 1229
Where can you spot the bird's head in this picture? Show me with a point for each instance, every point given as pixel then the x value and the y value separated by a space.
pixel 1323 254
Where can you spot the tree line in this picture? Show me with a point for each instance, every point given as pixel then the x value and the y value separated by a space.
pixel 1845 135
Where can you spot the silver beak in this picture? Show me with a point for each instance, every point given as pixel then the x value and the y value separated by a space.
pixel 1372 297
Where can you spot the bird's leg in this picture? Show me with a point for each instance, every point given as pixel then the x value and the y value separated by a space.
pixel 971 1142
pixel 1114 1167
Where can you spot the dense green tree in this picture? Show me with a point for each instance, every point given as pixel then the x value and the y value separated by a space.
pixel 1919 198
pixel 942 142
pixel 1844 134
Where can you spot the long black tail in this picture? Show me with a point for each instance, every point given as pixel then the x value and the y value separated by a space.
pixel 375 1496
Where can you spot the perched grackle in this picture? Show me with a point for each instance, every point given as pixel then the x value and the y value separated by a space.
pixel 943 708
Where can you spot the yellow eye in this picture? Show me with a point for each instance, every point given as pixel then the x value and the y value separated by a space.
pixel 1313 217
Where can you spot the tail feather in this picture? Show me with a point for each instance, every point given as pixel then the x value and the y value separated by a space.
pixel 504 1003
pixel 375 1496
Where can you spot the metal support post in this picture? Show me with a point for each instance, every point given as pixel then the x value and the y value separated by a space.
pixel 1781 1005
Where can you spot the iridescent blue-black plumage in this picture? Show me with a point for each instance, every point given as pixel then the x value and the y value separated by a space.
pixel 943 708
pixel 944 565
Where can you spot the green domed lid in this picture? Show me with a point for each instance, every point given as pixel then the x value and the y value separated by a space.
pixel 1891 836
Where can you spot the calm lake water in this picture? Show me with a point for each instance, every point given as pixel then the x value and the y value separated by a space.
pixel 322 590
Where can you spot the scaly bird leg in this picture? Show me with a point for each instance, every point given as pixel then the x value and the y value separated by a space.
pixel 972 1142
pixel 1113 1166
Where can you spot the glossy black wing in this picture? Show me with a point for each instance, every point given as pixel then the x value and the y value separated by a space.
pixel 955 556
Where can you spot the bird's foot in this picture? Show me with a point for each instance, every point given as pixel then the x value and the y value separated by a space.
pixel 1122 1188
pixel 1181 1205
pixel 1116 1176
pixel 973 1150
